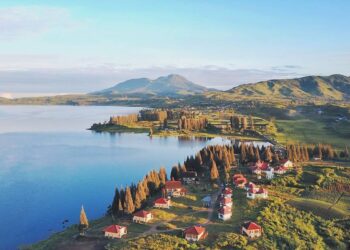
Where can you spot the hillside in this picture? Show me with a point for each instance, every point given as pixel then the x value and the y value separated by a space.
pixel 171 85
pixel 334 87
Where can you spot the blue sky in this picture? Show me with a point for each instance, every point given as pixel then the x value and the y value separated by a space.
pixel 82 45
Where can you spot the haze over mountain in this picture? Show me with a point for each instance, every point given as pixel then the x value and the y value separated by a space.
pixel 171 85
pixel 333 87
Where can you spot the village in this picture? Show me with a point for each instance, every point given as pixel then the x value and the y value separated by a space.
pixel 186 197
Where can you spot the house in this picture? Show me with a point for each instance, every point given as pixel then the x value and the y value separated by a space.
pixel 162 203
pixel 240 182
pixel 280 170
pixel 115 231
pixel 142 216
pixel 269 173
pixel 225 213
pixel 251 229
pixel 287 163
pixel 206 201
pixel 262 165
pixel 249 186
pixel 225 202
pixel 175 188
pixel 189 177
pixel 195 233
pixel 257 193
pixel 227 193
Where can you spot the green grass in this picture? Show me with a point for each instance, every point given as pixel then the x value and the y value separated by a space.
pixel 320 208
pixel 309 131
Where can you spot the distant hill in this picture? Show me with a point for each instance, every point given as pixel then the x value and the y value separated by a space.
pixel 334 87
pixel 171 85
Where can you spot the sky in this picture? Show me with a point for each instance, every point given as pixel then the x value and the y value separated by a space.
pixel 56 47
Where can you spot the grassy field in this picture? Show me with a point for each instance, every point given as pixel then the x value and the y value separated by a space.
pixel 309 131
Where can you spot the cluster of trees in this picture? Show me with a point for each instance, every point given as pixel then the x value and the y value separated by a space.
pixel 153 115
pixel 306 152
pixel 216 159
pixel 125 119
pixel 132 198
pixel 192 123
pixel 251 153
pixel 242 122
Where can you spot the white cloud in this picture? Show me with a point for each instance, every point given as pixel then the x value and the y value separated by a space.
pixel 22 21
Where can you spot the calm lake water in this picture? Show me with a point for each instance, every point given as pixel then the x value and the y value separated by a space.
pixel 50 165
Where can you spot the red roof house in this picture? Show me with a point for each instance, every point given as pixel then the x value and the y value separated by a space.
pixel 240 182
pixel 195 233
pixel 175 188
pixel 162 203
pixel 251 229
pixel 227 192
pixel 115 231
pixel 225 213
pixel 224 201
pixel 256 193
pixel 142 216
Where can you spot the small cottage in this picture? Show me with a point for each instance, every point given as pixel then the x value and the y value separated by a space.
pixel 115 231
pixel 225 201
pixel 189 177
pixel 252 230
pixel 280 170
pixel 142 216
pixel 269 173
pixel 175 188
pixel 227 193
pixel 206 201
pixel 257 193
pixel 195 233
pixel 287 163
pixel 224 213
pixel 162 203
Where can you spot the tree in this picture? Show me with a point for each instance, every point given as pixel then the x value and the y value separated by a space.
pixel 214 173
pixel 115 202
pixel 129 207
pixel 162 175
pixel 84 223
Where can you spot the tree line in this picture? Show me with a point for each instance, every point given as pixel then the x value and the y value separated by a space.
pixel 242 122
pixel 125 119
pixel 192 123
pixel 134 197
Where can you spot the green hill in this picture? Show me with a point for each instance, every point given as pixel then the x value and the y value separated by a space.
pixel 334 87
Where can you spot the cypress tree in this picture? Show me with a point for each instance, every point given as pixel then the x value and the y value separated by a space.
pixel 214 173
pixel 115 203
pixel 84 223
pixel 129 207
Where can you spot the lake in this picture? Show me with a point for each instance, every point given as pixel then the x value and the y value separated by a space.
pixel 50 165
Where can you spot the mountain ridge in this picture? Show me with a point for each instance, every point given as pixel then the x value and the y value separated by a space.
pixel 334 87
pixel 171 85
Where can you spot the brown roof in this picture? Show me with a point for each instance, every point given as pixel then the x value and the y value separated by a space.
pixel 173 184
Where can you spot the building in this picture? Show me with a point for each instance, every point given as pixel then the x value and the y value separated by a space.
pixel 206 201
pixel 287 163
pixel 189 177
pixel 224 213
pixel 162 203
pixel 195 233
pixel 175 188
pixel 142 216
pixel 115 231
pixel 252 230
pixel 249 186
pixel 240 182
pixel 269 173
pixel 225 201
pixel 280 170
pixel 227 193
pixel 257 193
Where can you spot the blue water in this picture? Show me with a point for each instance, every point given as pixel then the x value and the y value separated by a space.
pixel 50 165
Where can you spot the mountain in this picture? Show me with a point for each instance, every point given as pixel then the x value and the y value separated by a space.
pixel 333 87
pixel 171 85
